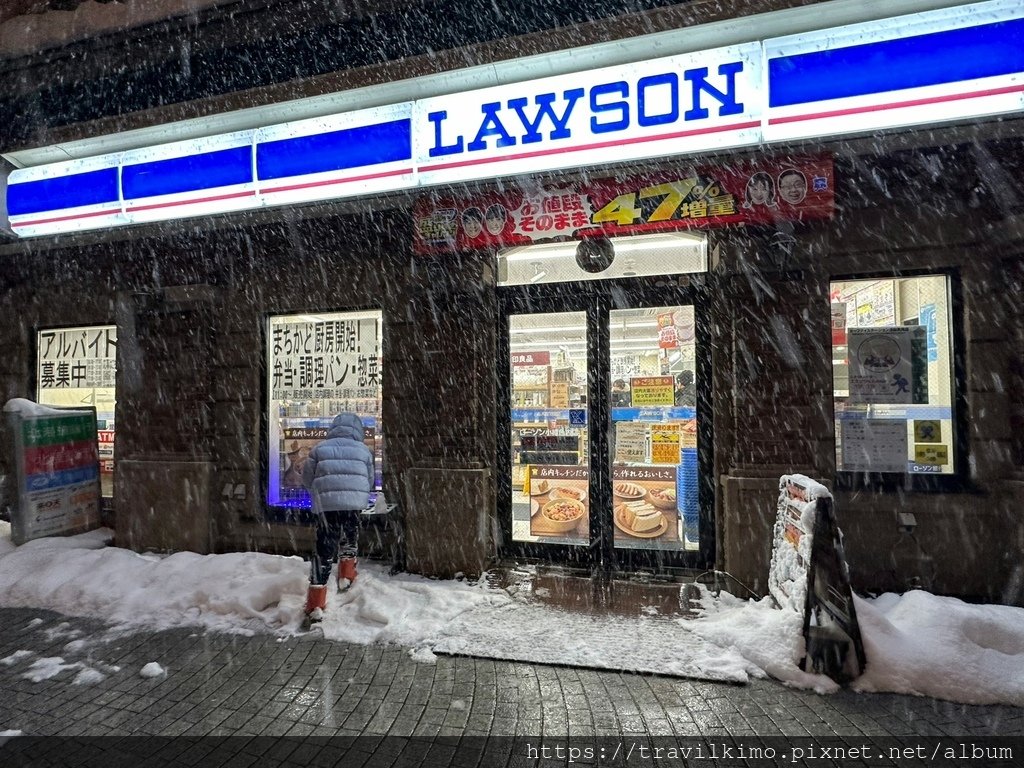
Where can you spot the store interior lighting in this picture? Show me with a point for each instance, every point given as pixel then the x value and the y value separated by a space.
pixel 648 244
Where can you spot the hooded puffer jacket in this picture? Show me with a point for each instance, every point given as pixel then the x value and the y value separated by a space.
pixel 339 471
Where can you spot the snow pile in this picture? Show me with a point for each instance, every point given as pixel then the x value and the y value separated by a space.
pixel 49 667
pixel 942 647
pixel 81 576
pixel 769 640
pixel 403 609
pixel 152 669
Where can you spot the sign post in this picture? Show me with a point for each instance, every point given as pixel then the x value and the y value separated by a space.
pixel 809 574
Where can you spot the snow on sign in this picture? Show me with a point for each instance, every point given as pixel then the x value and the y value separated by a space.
pixel 57 466
pixel 809 574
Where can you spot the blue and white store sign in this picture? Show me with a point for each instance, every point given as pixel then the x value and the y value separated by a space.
pixel 676 105
pixel 943 65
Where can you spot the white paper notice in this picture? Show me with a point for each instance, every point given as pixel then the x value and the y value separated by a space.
pixel 881 366
pixel 631 442
pixel 874 445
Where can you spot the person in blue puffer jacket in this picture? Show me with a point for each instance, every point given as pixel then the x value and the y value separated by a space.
pixel 339 475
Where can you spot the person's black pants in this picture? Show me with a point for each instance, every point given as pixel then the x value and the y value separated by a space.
pixel 333 527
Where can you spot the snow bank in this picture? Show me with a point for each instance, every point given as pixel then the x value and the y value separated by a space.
pixel 942 647
pixel 770 640
pixel 916 643
pixel 80 576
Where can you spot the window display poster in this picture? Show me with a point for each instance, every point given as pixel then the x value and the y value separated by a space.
pixel 296 445
pixel 317 367
pixel 668 337
pixel 646 508
pixel 631 442
pixel 318 359
pixel 559 505
pixel 882 364
pixel 78 358
pixel 665 443
pixel 874 445
pixel 58 474
pixel 652 390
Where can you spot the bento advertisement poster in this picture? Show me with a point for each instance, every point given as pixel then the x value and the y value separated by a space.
pixel 695 197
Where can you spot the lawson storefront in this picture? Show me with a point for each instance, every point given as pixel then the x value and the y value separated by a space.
pixel 587 317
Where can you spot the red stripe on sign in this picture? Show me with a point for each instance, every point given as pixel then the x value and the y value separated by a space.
pixel 346 180
pixel 597 145
pixel 56 458
pixel 35 222
pixel 899 104
pixel 193 201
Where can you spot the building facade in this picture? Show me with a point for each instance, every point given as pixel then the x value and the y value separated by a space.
pixel 598 352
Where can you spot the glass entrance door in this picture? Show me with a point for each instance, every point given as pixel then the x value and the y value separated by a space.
pixel 601 437
pixel 550 445
pixel 653 419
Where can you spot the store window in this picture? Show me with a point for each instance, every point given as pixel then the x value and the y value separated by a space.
pixel 319 365
pixel 654 412
pixel 550 461
pixel 893 375
pixel 77 366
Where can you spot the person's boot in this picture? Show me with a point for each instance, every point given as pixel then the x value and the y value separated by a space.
pixel 346 573
pixel 316 603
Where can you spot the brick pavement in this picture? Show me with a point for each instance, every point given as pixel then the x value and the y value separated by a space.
pixel 247 686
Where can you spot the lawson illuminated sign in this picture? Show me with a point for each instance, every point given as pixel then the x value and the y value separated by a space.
pixel 947 64
pixel 669 106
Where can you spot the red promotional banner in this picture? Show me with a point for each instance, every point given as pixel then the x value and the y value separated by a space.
pixel 694 197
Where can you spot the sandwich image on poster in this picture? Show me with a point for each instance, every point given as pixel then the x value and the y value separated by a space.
pixel 646 508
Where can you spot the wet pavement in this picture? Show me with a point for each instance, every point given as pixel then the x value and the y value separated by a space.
pixel 230 685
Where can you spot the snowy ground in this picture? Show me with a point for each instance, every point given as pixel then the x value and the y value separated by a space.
pixel 916 643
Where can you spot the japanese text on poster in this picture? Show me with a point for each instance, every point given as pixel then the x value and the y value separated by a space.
pixel 652 390
pixel 325 359
pixel 73 358
pixel 58 474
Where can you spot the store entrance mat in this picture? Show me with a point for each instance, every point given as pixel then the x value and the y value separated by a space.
pixel 543 634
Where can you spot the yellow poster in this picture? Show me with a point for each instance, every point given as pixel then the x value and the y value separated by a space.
pixel 665 444
pixel 931 454
pixel 927 431
pixel 652 390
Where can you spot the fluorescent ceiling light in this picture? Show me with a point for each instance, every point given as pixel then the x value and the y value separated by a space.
pixel 578 328
pixel 649 244
pixel 554 344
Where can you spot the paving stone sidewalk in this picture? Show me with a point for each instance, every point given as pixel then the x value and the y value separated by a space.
pixel 231 685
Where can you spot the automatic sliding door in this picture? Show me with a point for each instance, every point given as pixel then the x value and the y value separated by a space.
pixel 550 457
pixel 654 437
